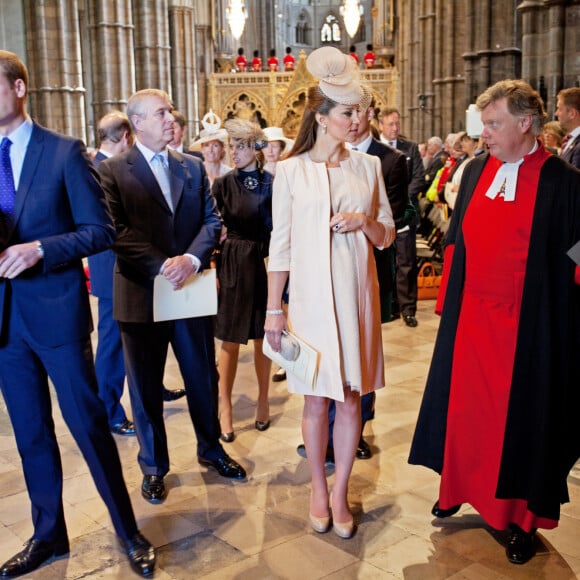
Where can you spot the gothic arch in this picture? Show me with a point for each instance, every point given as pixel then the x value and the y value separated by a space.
pixel 246 105
pixel 303 28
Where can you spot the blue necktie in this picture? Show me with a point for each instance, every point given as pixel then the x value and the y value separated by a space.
pixel 7 191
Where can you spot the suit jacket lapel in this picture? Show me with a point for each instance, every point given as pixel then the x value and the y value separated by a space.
pixel 139 167
pixel 567 155
pixel 31 160
pixel 176 178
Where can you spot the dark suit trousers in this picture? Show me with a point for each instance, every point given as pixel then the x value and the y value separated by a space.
pixel 367 408
pixel 406 271
pixel 145 348
pixel 109 364
pixel 24 366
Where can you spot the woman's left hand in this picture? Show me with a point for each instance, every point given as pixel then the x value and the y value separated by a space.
pixel 343 222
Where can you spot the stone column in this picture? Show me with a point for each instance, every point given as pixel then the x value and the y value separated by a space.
pixel 56 91
pixel 532 44
pixel 555 58
pixel 183 64
pixel 152 50
pixel 111 29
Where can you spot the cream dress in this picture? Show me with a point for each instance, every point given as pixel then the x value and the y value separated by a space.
pixel 334 293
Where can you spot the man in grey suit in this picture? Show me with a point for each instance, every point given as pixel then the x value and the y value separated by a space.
pixel 167 224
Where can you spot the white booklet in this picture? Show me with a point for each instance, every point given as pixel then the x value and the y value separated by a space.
pixel 198 297
pixel 296 357
pixel 574 253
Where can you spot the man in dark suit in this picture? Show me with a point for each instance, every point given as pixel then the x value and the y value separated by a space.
pixel 394 168
pixel 406 241
pixel 179 134
pixel 52 214
pixel 568 113
pixel 167 224
pixel 115 136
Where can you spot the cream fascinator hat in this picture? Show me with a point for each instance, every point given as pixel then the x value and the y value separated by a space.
pixel 276 134
pixel 211 130
pixel 337 75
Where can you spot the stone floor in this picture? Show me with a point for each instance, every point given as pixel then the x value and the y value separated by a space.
pixel 214 528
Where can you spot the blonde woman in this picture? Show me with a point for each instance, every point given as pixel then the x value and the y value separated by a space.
pixel 244 198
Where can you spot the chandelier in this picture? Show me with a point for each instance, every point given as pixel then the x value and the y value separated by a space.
pixel 351 11
pixel 236 16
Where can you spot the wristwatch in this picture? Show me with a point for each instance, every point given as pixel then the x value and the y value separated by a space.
pixel 40 249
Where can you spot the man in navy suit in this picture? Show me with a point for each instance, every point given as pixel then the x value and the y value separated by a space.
pixel 52 214
pixel 568 113
pixel 115 136
pixel 167 224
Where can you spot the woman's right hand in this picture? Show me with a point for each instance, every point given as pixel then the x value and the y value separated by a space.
pixel 274 325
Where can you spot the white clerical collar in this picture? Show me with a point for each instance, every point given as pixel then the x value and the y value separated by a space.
pixel 505 181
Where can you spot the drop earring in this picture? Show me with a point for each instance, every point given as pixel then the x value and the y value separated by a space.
pixel 324 129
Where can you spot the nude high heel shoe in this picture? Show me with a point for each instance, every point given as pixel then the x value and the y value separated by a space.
pixel 320 525
pixel 343 530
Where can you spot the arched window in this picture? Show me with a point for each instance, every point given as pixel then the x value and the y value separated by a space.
pixel 303 29
pixel 330 31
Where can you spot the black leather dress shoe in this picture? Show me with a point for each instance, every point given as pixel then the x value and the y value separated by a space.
pixel 35 553
pixel 410 320
pixel 301 450
pixel 521 545
pixel 279 375
pixel 169 395
pixel 394 316
pixel 153 488
pixel 262 425
pixel 441 513
pixel 225 466
pixel 124 428
pixel 363 450
pixel 141 554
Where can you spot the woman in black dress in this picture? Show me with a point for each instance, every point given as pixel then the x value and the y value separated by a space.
pixel 244 198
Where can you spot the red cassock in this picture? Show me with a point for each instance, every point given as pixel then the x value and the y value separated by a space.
pixel 497 237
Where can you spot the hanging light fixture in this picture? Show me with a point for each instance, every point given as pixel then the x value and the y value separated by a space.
pixel 351 12
pixel 236 16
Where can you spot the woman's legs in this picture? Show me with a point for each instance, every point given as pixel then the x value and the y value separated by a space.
pixel 315 434
pixel 227 367
pixel 263 367
pixel 347 427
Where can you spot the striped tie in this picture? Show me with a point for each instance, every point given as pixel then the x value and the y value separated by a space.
pixel 565 141
pixel 161 172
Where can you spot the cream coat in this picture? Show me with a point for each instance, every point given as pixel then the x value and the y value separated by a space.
pixel 301 243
